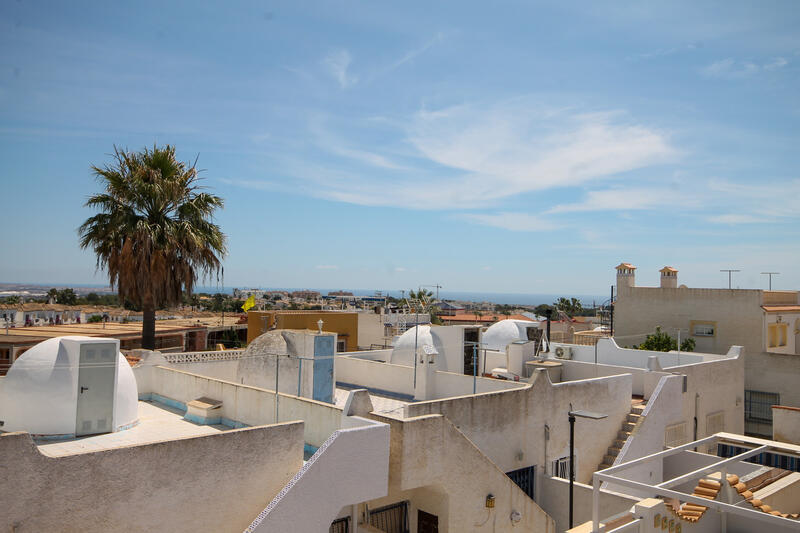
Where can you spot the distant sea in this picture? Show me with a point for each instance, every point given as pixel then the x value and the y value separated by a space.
pixel 467 296
pixel 494 297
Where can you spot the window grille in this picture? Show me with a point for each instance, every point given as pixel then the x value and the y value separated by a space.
pixel 561 467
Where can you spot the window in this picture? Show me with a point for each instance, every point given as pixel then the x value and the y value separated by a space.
pixel 525 479
pixel 777 335
pixel 758 412
pixel 758 405
pixel 561 467
pixel 702 329
pixel 675 435
pixel 340 346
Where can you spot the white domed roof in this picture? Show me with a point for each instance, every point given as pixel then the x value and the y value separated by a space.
pixel 40 393
pixel 501 334
pixel 403 351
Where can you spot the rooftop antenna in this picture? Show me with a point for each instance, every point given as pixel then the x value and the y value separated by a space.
pixel 728 270
pixel 770 274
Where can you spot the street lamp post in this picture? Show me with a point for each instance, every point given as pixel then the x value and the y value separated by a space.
pixel 572 415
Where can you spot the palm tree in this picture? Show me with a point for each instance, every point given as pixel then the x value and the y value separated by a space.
pixel 154 231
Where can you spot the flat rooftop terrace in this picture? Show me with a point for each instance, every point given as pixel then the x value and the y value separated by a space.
pixel 157 423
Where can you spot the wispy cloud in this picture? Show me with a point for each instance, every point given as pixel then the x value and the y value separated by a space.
pixel 756 204
pixel 476 156
pixel 411 55
pixel 511 221
pixel 625 199
pixel 338 62
pixel 731 69
pixel 777 63
pixel 735 218
pixel 665 52
pixel 521 147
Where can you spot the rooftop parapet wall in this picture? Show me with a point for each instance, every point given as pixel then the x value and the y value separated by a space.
pixel 242 403
pixel 509 426
pixel 608 352
pixel 212 483
pixel 786 424
pixel 781 298
pixel 399 379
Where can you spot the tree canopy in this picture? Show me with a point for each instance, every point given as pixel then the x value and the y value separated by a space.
pixel 660 341
pixel 154 232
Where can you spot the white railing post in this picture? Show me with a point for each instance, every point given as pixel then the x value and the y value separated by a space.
pixel 595 504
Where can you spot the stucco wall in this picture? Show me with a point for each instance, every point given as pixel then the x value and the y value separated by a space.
pixel 786 424
pixel 352 466
pixel 242 403
pixel 214 483
pixel 509 426
pixel 575 370
pixel 375 375
pixel 449 385
pixel 663 408
pixel 711 387
pixel 439 470
pixel 737 313
pixel 225 370
pixel 608 352
pixel 370 330
pixel 554 499
pixel 399 379
pixel 772 372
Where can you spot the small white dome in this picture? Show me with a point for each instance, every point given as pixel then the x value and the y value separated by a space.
pixel 403 351
pixel 40 393
pixel 501 334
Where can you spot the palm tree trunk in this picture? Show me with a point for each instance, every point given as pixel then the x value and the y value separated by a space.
pixel 149 327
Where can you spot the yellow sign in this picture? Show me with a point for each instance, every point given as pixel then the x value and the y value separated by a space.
pixel 250 302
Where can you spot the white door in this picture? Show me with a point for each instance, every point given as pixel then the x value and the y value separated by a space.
pixel 96 374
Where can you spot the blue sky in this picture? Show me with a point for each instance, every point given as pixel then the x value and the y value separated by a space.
pixel 514 147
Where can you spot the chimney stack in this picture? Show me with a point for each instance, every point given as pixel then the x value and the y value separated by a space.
pixel 626 276
pixel 669 278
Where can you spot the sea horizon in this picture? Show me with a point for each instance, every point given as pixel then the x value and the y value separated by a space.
pixel 503 298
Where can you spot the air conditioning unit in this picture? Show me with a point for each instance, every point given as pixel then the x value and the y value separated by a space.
pixel 563 352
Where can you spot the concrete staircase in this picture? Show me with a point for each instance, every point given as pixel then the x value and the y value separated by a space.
pixel 632 420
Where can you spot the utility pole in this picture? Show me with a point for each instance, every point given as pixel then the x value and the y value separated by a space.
pixel 729 271
pixel 770 274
